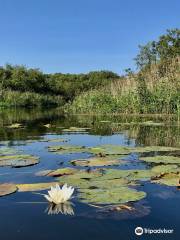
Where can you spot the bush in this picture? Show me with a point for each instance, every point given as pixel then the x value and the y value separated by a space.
pixel 29 99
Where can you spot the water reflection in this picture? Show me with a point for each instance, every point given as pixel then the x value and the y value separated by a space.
pixel 62 208
pixel 35 121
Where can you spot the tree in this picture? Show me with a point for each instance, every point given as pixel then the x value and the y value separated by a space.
pixel 147 55
pixel 168 45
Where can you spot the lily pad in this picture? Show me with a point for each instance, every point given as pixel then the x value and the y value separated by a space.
pixel 76 129
pixel 35 186
pixel 47 140
pixel 131 175
pixel 162 159
pixel 104 150
pixel 109 150
pixel 15 126
pixel 62 171
pixel 108 184
pixel 80 179
pixel 111 196
pixel 165 168
pixel 117 149
pixel 67 149
pixel 97 162
pixel 7 150
pixel 55 140
pixel 18 160
pixel 7 188
pixel 169 179
pixel 43 173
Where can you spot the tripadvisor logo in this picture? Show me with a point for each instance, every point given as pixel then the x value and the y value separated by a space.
pixel 139 231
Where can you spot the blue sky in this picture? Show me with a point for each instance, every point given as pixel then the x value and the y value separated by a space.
pixel 81 35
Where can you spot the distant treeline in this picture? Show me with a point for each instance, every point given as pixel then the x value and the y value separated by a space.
pixel 154 88
pixel 20 79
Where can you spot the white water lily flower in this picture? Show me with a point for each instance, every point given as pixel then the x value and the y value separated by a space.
pixel 59 195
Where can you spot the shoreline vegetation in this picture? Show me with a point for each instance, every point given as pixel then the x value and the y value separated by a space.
pixel 153 89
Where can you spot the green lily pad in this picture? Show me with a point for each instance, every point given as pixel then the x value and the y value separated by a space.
pixel 75 129
pixel 43 173
pixel 55 140
pixel 104 150
pixel 35 186
pixel 107 184
pixel 67 149
pixel 169 179
pixel 165 168
pixel 93 182
pixel 7 150
pixel 7 188
pixel 62 171
pixel 111 196
pixel 109 150
pixel 162 159
pixel 80 179
pixel 117 149
pixel 15 126
pixel 82 174
pixel 97 162
pixel 18 160
pixel 104 187
pixel 131 175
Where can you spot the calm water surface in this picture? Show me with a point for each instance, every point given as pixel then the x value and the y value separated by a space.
pixel 25 215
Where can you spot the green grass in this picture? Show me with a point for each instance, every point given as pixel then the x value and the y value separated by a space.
pixel 28 99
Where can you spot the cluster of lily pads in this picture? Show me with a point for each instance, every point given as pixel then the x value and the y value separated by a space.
pixel 97 184
pixel 10 158
pixel 103 186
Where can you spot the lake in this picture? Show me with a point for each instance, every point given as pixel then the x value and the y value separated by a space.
pixel 27 214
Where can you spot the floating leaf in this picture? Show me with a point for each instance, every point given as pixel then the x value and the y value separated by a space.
pixel 117 149
pixel 35 186
pixel 97 162
pixel 15 126
pixel 7 188
pixel 63 149
pixel 104 150
pixel 7 150
pixel 109 150
pixel 62 171
pixel 111 196
pixel 47 140
pixel 131 175
pixel 75 129
pixel 162 159
pixel 169 179
pixel 80 178
pixel 165 168
pixel 55 140
pixel 43 173
pixel 18 160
